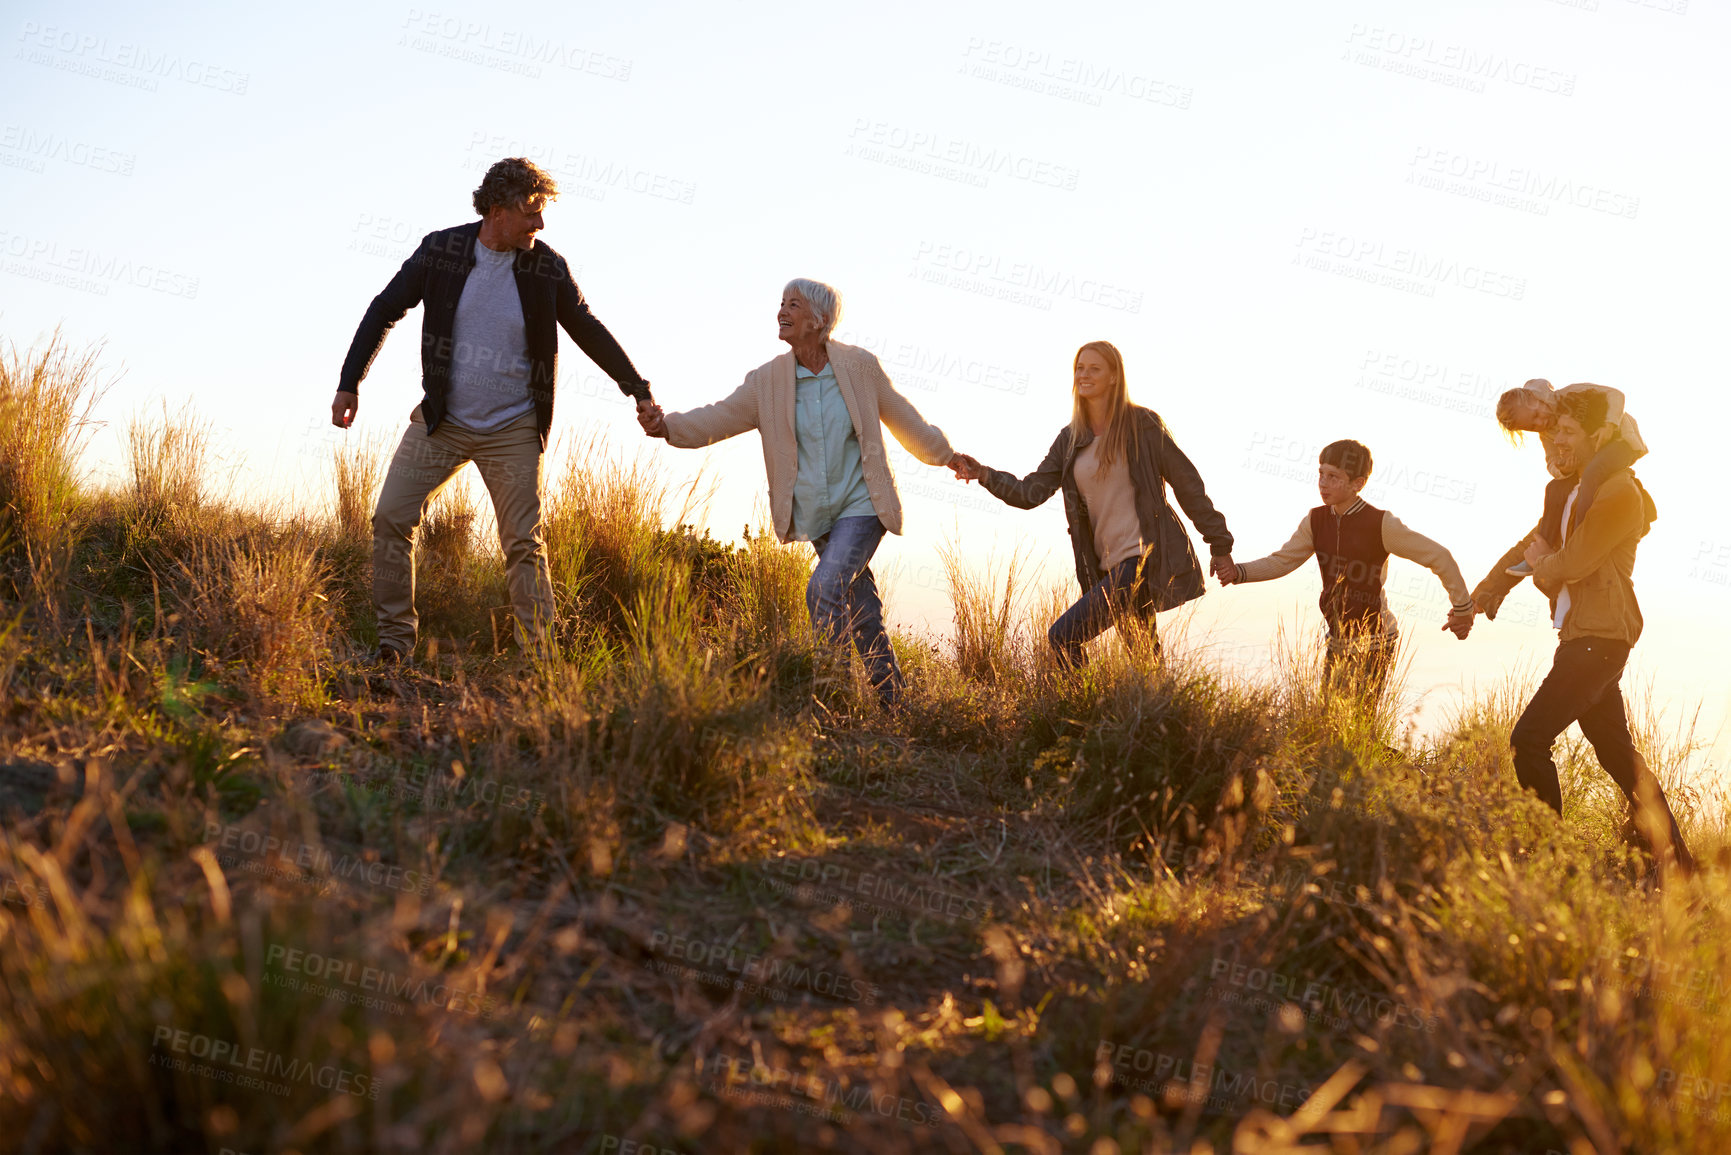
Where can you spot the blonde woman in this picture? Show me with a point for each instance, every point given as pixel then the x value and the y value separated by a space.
pixel 1114 461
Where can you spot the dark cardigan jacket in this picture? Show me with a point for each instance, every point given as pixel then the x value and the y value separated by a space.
pixel 1170 564
pixel 434 276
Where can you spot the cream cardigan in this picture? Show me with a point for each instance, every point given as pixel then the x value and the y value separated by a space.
pixel 765 403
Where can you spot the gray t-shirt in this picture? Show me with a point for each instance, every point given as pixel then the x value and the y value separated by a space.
pixel 489 355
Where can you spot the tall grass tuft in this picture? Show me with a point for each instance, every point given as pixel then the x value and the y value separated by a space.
pixel 602 518
pixel 447 533
pixel 697 725
pixel 168 456
pixel 260 603
pixel 358 467
pixel 46 397
pixel 768 589
pixel 985 645
pixel 459 578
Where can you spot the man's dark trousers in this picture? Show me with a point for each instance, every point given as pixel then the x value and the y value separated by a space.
pixel 1583 686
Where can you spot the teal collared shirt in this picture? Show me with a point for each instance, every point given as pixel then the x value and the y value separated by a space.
pixel 831 481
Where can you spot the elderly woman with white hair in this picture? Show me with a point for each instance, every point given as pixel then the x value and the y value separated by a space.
pixel 817 409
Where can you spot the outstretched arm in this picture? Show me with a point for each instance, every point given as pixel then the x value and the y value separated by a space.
pixel 1282 561
pixel 1488 595
pixel 917 435
pixel 1186 483
pixel 1403 542
pixel 396 299
pixel 1027 492
pixel 594 338
pixel 732 415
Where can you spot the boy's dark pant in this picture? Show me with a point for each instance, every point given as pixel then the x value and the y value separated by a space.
pixel 1615 455
pixel 1583 687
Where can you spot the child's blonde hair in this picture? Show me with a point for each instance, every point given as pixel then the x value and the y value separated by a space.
pixel 1513 400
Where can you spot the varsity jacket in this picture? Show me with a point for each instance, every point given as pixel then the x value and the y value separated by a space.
pixel 1352 551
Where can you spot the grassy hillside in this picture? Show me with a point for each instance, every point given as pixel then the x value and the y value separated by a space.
pixel 685 888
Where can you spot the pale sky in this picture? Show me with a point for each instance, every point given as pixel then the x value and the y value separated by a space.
pixel 1299 223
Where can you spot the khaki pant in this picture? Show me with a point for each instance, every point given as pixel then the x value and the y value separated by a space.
pixel 509 460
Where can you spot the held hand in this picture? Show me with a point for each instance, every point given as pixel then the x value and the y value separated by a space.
pixel 1537 550
pixel 652 418
pixel 1224 569
pixel 966 468
pixel 1459 623
pixel 343 409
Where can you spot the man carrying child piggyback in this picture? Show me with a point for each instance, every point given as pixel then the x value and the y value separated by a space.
pixel 1352 541
pixel 1587 571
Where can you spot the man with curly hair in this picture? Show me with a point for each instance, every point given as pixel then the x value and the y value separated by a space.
pixel 493 295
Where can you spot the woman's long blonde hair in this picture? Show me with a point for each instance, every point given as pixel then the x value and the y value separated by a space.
pixel 1117 435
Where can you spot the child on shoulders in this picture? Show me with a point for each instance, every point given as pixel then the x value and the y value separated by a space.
pixel 1533 409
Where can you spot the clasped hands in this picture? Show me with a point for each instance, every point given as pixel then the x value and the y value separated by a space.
pixel 654 421
pixel 966 468
pixel 652 417
pixel 1459 623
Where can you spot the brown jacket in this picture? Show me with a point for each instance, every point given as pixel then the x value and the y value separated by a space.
pixel 1597 563
pixel 765 402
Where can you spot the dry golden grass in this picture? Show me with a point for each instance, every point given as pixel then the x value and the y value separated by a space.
pixel 682 885
pixel 261 604
pixel 168 456
pixel 46 397
pixel 984 643
pixel 358 464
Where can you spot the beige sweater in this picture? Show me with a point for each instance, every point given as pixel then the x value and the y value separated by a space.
pixel 1397 539
pixel 1111 501
pixel 765 402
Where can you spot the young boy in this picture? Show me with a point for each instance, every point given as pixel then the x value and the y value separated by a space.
pixel 1533 408
pixel 1352 541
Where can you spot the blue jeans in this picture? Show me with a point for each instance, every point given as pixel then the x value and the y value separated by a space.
pixel 1117 593
pixel 842 597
